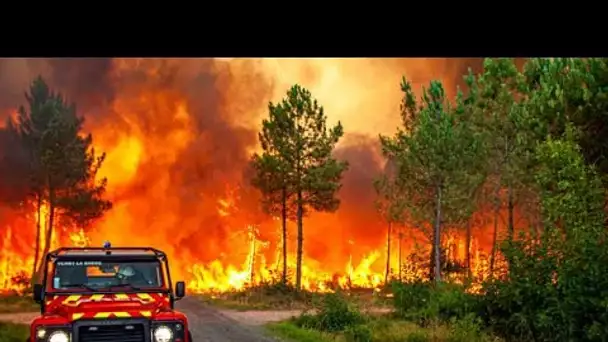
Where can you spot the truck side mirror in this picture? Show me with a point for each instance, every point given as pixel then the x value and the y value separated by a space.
pixel 38 293
pixel 180 290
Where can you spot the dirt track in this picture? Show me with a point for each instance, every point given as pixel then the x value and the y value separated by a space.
pixel 208 324
pixel 211 325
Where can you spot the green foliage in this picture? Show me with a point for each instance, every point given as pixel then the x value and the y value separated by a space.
pixel 425 302
pixel 556 285
pixel 334 313
pixel 466 329
pixel 13 332
pixel 358 333
pixel 270 177
pixel 389 203
pixel 290 332
pixel 297 169
pixel 410 297
pixel 530 134
pixel 62 164
pixel 297 151
pixel 418 336
pixel 572 91
pixel 435 152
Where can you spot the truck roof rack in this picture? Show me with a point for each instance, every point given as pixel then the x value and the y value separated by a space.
pixel 93 251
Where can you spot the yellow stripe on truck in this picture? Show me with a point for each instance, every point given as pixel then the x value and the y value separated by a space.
pixel 146 313
pixel 145 297
pixel 118 314
pixel 72 299
pixel 121 296
pixel 97 297
pixel 77 316
pixel 102 315
pixel 122 314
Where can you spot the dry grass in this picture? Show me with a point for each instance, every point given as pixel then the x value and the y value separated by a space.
pixel 279 297
pixel 16 303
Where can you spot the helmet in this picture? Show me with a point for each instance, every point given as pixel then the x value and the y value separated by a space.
pixel 125 271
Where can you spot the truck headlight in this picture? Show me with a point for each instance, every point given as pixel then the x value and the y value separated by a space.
pixel 59 336
pixel 41 333
pixel 162 333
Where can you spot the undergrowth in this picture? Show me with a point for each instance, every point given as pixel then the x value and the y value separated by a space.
pixel 13 332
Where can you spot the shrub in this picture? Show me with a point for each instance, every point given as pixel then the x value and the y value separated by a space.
pixel 423 302
pixel 13 332
pixel 418 336
pixel 557 283
pixel 466 329
pixel 410 297
pixel 548 299
pixel 358 333
pixel 334 314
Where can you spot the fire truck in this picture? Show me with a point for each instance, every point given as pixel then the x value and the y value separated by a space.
pixel 108 294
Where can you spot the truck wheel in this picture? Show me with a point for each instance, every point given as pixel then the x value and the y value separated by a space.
pixel 189 336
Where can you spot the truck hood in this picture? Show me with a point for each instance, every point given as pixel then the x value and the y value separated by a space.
pixel 103 306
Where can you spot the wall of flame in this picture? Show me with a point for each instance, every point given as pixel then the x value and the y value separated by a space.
pixel 178 134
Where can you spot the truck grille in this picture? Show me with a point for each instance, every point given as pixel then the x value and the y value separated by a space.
pixel 112 333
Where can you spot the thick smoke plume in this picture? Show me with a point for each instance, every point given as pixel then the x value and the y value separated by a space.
pixel 178 135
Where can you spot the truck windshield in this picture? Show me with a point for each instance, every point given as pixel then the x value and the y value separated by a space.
pixel 106 274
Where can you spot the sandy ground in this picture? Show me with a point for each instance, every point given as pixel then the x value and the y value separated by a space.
pixel 257 318
pixel 19 318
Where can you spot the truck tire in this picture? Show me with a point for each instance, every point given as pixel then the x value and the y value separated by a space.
pixel 189 336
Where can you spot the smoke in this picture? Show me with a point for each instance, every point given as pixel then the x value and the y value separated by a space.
pixel 178 134
pixel 13 165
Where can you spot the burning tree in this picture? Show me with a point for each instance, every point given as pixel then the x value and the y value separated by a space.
pixel 297 161
pixel 390 205
pixel 433 153
pixel 498 89
pixel 271 178
pixel 61 164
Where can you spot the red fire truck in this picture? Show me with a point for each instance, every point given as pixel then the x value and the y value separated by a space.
pixel 108 295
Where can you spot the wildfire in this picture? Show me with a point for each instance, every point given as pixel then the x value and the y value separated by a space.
pixel 178 135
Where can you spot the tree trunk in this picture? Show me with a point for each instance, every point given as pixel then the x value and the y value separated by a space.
pixel 511 205
pixel 300 243
pixel 400 266
pixel 468 250
pixel 510 224
pixel 495 233
pixel 37 244
pixel 437 237
pixel 252 263
pixel 49 232
pixel 388 252
pixel 284 219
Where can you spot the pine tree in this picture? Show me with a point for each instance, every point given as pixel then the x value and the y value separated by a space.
pixel 62 164
pixel 298 160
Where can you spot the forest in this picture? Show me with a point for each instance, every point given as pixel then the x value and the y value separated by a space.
pixel 522 144
pixel 527 142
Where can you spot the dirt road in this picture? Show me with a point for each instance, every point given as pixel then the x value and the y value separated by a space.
pixel 207 324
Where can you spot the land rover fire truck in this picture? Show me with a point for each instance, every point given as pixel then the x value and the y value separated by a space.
pixel 108 294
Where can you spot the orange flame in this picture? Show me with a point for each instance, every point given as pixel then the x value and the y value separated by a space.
pixel 163 137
